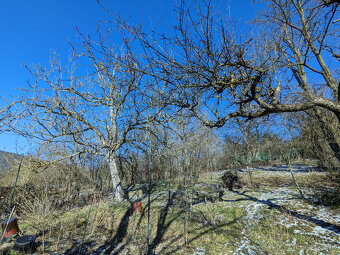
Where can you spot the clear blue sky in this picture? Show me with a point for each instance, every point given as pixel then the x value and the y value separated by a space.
pixel 30 30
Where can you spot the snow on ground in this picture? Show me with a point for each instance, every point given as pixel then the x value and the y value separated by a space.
pixel 284 168
pixel 253 217
pixel 275 170
pixel 283 207
pixel 308 221
pixel 283 203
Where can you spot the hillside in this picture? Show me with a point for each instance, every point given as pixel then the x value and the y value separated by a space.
pixel 8 159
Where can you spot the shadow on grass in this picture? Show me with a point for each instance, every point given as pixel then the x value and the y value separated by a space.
pixel 216 227
pixel 84 248
pixel 111 245
pixel 162 226
pixel 320 223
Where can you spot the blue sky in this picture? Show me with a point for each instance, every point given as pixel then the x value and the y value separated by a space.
pixel 30 30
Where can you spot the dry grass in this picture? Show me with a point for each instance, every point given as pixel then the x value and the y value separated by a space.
pixel 272 180
pixel 277 239
pixel 213 227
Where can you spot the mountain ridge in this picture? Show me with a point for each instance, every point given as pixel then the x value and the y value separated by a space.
pixel 8 160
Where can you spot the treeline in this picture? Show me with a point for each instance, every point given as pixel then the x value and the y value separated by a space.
pixel 191 149
pixel 188 148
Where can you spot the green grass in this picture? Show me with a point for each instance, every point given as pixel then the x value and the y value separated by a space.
pixel 217 227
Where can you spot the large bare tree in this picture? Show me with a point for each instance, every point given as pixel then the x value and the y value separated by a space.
pixel 209 69
pixel 289 63
pixel 96 103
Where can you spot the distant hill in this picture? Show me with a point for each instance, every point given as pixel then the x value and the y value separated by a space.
pixel 8 160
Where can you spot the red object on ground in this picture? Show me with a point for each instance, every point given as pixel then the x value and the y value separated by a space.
pixel 137 206
pixel 12 227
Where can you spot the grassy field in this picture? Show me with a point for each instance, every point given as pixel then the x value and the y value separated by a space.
pixel 266 216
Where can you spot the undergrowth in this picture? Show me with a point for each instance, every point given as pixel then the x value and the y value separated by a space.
pixel 196 222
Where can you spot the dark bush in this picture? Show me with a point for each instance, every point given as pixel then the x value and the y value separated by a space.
pixel 231 180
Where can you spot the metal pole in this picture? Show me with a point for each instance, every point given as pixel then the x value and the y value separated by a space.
pixel 149 191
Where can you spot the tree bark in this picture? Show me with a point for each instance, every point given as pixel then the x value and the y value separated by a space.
pixel 329 135
pixel 116 183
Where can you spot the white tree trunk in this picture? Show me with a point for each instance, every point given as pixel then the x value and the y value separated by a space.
pixel 117 186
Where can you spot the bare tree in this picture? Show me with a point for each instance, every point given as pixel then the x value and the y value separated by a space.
pixel 250 135
pixel 96 103
pixel 319 135
pixel 210 69
pixel 305 40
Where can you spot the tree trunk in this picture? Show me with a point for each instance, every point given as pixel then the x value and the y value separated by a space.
pixel 329 134
pixel 116 183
